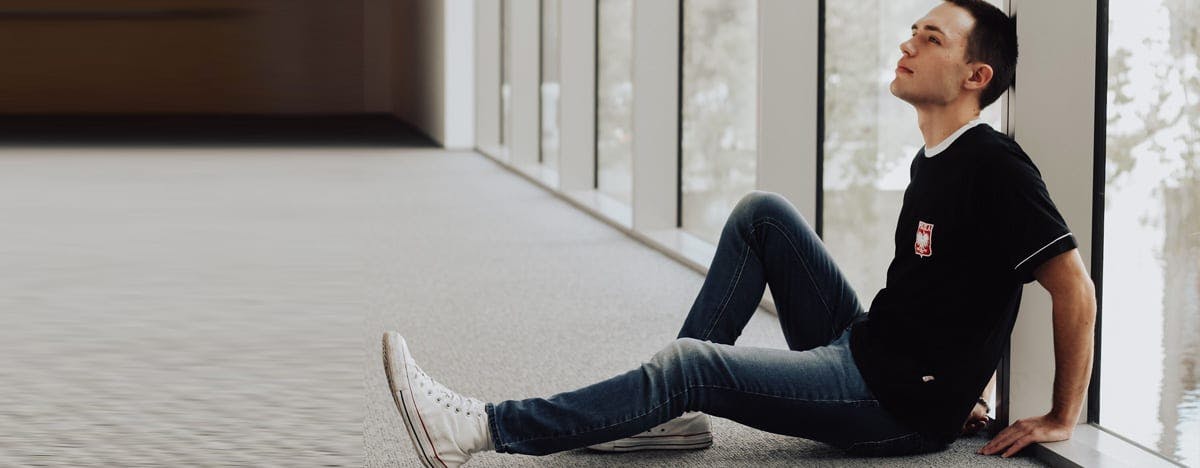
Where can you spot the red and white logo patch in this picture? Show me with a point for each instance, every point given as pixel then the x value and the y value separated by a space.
pixel 924 245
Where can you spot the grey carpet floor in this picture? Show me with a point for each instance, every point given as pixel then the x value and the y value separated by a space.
pixel 223 307
pixel 182 307
pixel 504 291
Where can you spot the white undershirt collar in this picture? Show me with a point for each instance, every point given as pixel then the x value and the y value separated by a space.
pixel 938 148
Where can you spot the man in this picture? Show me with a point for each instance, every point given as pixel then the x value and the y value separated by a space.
pixel 976 224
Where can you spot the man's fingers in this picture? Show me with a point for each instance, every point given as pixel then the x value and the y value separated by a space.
pixel 1021 443
pixel 998 441
pixel 1004 439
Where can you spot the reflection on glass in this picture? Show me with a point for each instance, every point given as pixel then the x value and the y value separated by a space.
pixel 549 91
pixel 614 99
pixel 870 135
pixel 1150 364
pixel 720 72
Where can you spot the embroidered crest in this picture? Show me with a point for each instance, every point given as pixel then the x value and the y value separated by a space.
pixel 924 245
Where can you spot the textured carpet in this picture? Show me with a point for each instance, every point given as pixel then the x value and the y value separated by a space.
pixel 503 291
pixel 183 307
pixel 223 306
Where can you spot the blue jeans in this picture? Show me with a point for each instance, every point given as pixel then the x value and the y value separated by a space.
pixel 813 390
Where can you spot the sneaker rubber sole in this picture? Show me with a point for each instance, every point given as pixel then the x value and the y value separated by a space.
pixel 404 402
pixel 696 441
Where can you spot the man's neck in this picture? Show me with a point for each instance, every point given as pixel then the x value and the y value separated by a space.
pixel 939 122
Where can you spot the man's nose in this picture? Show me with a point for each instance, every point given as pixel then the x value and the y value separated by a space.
pixel 907 49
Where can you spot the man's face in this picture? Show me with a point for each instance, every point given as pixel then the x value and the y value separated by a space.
pixel 933 66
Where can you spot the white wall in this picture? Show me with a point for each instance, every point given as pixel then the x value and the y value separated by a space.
pixel 1052 119
pixel 432 67
pixel 417 65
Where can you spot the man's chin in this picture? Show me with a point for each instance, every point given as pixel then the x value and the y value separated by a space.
pixel 914 99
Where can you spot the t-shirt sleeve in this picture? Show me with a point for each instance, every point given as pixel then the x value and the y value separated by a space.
pixel 1026 226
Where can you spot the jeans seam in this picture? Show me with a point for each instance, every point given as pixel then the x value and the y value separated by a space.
pixel 490 410
pixel 737 278
pixel 803 261
pixel 681 392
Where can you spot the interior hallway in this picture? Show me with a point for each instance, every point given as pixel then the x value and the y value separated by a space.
pixel 223 306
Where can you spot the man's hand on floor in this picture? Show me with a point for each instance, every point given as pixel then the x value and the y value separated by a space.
pixel 1027 431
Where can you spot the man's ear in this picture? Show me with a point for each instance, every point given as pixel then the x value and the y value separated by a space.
pixel 981 76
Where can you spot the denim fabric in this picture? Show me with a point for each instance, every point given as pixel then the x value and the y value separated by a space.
pixel 813 390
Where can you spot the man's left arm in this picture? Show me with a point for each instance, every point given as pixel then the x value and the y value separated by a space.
pixel 1074 317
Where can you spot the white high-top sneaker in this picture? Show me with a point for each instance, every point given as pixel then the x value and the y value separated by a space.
pixel 445 427
pixel 688 432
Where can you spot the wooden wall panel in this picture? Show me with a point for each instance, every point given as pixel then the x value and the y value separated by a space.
pixel 181 56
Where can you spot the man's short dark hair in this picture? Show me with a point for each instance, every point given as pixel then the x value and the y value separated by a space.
pixel 993 41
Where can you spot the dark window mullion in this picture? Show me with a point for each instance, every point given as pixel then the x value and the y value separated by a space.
pixel 679 126
pixel 1099 149
pixel 541 73
pixel 596 99
pixel 819 222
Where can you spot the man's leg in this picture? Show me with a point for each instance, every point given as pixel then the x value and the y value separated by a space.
pixel 817 394
pixel 766 241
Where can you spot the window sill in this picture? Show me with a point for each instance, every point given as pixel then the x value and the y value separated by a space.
pixel 1092 446
pixel 496 152
pixel 602 207
pixel 544 175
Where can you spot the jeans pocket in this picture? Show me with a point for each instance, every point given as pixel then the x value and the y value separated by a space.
pixel 909 444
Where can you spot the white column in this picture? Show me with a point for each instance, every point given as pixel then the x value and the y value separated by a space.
pixel 459 40
pixel 1052 119
pixel 526 77
pixel 787 101
pixel 655 114
pixel 487 73
pixel 577 96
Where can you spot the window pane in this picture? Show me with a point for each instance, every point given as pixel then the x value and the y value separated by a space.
pixel 614 99
pixel 505 74
pixel 870 135
pixel 550 71
pixel 1150 362
pixel 720 63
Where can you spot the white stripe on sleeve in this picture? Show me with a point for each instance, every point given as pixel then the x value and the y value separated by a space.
pixel 1040 250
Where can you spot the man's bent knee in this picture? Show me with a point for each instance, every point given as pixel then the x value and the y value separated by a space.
pixel 682 352
pixel 759 202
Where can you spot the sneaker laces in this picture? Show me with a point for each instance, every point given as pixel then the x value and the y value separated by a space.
pixel 452 400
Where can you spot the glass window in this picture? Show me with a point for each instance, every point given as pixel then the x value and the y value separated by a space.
pixel 1150 361
pixel 870 135
pixel 505 74
pixel 614 99
pixel 550 74
pixel 720 74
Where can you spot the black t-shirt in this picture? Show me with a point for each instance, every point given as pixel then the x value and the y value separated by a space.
pixel 976 222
